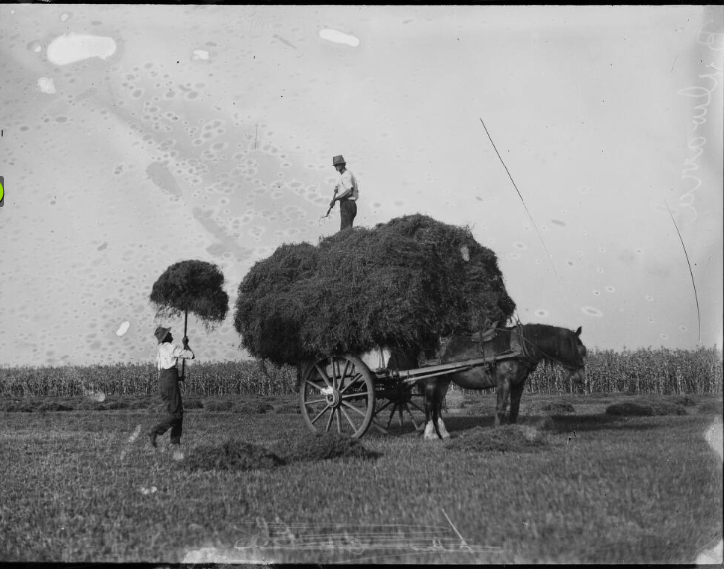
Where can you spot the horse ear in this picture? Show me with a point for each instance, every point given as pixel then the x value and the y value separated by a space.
pixel 578 332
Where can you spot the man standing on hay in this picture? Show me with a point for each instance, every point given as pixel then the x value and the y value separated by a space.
pixel 346 192
pixel 166 360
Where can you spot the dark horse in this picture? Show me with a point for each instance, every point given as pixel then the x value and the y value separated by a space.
pixel 529 344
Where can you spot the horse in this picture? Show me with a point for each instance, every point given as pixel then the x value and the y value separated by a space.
pixel 529 343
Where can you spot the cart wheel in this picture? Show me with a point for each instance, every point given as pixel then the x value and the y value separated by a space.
pixel 407 402
pixel 338 394
pixel 405 408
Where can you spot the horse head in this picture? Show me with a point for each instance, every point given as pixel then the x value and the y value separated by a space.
pixel 556 346
pixel 578 367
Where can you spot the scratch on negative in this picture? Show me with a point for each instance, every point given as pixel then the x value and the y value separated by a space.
pixel 521 198
pixel 693 283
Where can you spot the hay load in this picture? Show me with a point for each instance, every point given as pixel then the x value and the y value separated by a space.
pixel 191 286
pixel 402 284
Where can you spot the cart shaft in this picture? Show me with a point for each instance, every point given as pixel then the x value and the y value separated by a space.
pixel 419 374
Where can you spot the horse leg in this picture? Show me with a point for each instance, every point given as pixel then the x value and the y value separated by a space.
pixel 516 391
pixel 502 392
pixel 441 392
pixel 431 408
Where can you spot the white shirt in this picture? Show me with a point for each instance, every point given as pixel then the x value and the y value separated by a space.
pixel 168 355
pixel 348 181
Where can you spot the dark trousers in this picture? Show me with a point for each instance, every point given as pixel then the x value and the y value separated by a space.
pixel 171 394
pixel 348 211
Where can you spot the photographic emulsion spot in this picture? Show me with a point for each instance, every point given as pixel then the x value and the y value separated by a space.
pixel 591 311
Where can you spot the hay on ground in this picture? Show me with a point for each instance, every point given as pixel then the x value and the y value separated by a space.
pixel 231 455
pixel 237 406
pixel 218 405
pixel 288 408
pixel 510 438
pixel 644 409
pixel 321 446
pixel 401 284
pixel 556 408
pixel 54 406
pixel 710 408
pixel 683 400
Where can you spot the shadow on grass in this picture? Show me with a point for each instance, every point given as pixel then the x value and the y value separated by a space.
pixel 554 424
pixel 589 423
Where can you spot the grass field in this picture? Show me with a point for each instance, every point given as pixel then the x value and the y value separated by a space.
pixel 572 483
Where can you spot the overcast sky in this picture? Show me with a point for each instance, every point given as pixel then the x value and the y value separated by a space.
pixel 134 137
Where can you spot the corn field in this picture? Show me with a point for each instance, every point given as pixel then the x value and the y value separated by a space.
pixel 644 371
pixel 206 379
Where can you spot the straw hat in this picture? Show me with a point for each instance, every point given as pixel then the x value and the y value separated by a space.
pixel 337 160
pixel 161 333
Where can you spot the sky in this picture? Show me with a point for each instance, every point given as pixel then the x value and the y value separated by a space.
pixel 583 145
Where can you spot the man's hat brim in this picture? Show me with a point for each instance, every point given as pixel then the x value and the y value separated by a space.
pixel 161 333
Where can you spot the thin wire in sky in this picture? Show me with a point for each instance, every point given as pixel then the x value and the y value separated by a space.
pixel 696 296
pixel 521 198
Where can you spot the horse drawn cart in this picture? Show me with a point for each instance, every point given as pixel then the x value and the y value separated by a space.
pixel 342 394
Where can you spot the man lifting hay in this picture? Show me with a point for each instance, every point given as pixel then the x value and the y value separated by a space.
pixel 187 286
pixel 346 192
pixel 166 360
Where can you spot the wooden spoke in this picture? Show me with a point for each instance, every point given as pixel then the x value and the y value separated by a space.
pixel 402 404
pixel 323 375
pixel 355 379
pixel 379 426
pixel 329 422
pixel 412 417
pixel 320 414
pixel 336 377
pixel 320 388
pixel 344 374
pixel 346 416
pixel 392 414
pixel 354 396
pixel 384 406
pixel 353 408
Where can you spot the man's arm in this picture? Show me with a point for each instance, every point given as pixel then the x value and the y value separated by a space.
pixel 345 194
pixel 184 353
pixel 347 191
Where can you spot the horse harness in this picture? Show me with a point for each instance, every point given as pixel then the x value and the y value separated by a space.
pixel 515 345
